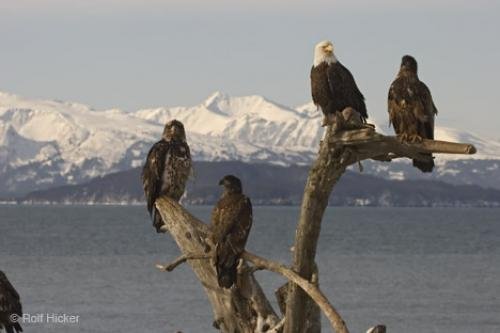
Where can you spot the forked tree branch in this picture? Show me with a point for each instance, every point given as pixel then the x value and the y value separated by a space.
pixel 311 289
pixel 337 151
pixel 261 263
pixel 177 219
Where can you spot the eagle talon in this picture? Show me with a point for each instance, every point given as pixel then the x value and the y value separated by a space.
pixel 415 138
pixel 403 138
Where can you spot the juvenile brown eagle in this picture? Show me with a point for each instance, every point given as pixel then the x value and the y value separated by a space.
pixel 11 311
pixel 411 109
pixel 231 223
pixel 167 169
pixel 332 85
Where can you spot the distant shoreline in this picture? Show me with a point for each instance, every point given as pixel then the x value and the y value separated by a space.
pixel 138 204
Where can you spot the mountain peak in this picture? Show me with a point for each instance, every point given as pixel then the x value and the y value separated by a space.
pixel 214 98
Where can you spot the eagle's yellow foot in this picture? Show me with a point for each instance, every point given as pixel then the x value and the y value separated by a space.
pixel 415 138
pixel 403 138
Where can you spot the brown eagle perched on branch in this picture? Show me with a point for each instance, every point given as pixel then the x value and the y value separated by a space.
pixel 332 85
pixel 11 310
pixel 167 168
pixel 231 223
pixel 411 109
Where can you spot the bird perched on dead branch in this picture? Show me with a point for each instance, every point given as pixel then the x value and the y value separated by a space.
pixel 167 168
pixel 11 310
pixel 411 109
pixel 231 224
pixel 332 85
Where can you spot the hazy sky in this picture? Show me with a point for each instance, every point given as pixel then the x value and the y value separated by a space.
pixel 137 53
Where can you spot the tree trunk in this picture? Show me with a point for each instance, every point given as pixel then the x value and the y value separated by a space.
pixel 325 172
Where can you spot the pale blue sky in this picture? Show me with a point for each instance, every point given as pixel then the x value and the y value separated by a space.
pixel 133 54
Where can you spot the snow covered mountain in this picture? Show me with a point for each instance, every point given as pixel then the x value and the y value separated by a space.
pixel 245 119
pixel 49 143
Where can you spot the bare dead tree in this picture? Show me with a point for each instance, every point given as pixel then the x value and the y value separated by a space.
pixel 241 309
pixel 245 308
pixel 337 151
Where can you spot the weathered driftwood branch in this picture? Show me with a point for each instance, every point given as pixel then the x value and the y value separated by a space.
pixel 312 310
pixel 244 309
pixel 336 153
pixel 180 260
pixel 189 232
pixel 369 144
pixel 279 327
pixel 310 288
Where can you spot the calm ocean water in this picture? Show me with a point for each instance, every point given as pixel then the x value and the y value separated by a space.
pixel 416 270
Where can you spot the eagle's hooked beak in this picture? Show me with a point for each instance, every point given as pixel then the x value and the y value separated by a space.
pixel 329 48
pixel 175 130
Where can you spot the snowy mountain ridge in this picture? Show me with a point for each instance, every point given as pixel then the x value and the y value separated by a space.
pixel 250 118
pixel 47 143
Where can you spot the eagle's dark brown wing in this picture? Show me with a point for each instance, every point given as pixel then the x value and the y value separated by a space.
pixel 345 92
pixel 430 111
pixel 231 224
pixel 152 172
pixel 10 306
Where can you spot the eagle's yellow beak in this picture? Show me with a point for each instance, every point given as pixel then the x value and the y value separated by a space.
pixel 329 48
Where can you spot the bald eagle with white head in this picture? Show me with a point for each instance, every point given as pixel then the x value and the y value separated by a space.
pixel 11 310
pixel 167 168
pixel 332 85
